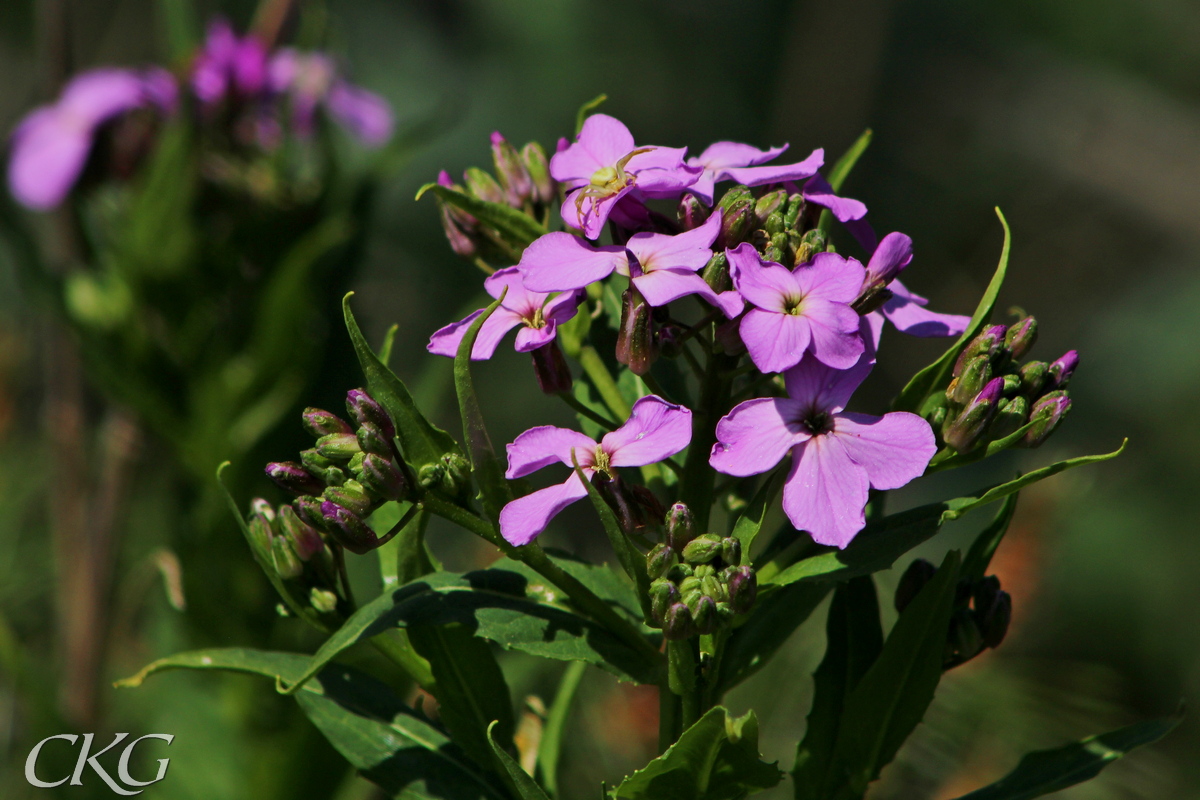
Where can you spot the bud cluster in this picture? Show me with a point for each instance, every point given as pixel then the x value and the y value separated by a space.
pixel 294 550
pixel 982 612
pixel 350 472
pixel 698 583
pixel 522 181
pixel 992 395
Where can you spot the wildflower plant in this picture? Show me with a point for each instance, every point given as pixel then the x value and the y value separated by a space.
pixel 696 316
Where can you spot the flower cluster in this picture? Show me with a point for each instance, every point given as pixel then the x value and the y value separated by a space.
pixel 235 84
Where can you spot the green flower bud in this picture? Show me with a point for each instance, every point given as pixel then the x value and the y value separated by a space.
pixel 484 186
pixel 663 595
pixel 967 429
pixel 544 187
pixel 262 530
pixel 371 440
pixel 457 474
pixel 431 475
pixel 702 549
pixel 975 374
pixel 795 209
pixel 380 477
pixel 678 572
pixel 1046 415
pixel 731 551
pixel 705 617
pixel 769 204
pixel 319 422
pixel 323 600
pixel 350 495
pixel 712 587
pixel 308 509
pixel 678 623
pixel 303 538
pixel 690 585
pixel 1019 338
pixel 1010 416
pixel 742 587
pixel 738 220
pixel 811 244
pixel 510 168
pixel 988 343
pixel 659 560
pixel 348 529
pixel 681 526
pixel 283 558
pixel 716 273
pixel 339 446
pixel 1033 378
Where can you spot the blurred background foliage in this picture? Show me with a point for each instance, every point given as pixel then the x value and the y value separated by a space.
pixel 1080 119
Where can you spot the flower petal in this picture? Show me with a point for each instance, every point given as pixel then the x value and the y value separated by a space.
pixel 364 114
pixel 831 277
pixel 819 192
pixel 445 341
pixel 48 153
pixel 826 492
pixel 764 284
pixel 690 249
pixel 589 213
pixel 563 307
pixel 834 331
pixel 756 435
pixel 775 341
pixel 602 142
pixel 517 298
pixel 664 285
pixel 545 445
pixel 529 339
pixel 734 154
pixel 894 449
pixel 758 176
pixel 817 385
pixel 524 518
pixel 891 256
pixel 905 311
pixel 561 261
pixel 655 430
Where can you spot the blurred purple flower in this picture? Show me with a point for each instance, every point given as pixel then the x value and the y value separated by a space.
pixel 655 430
pixel 51 145
pixel 311 80
pixel 836 455
pixel 732 161
pixel 229 66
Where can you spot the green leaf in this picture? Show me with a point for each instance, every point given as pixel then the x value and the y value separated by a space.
pixel 751 520
pixel 421 441
pixel 587 108
pixel 936 376
pixel 1049 771
pixel 854 640
pixel 488 472
pixel 882 542
pixel 406 557
pixel 556 724
pixel 631 560
pixel 891 698
pixel 515 228
pixel 715 759
pixel 389 339
pixel 978 558
pixel 500 605
pixel 159 239
pixel 948 459
pixel 469 686
pixel 841 171
pixel 525 785
pixel 180 29
pixel 362 718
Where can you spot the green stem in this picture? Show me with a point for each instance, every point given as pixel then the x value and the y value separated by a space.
pixel 602 379
pixel 698 477
pixel 681 679
pixel 670 717
pixel 580 408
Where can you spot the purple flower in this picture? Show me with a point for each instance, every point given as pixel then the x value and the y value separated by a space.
pixel 732 161
pixel 51 145
pixel 663 268
pixel 836 455
pixel 520 307
pixel 229 66
pixel 799 310
pixel 604 165
pixel 311 80
pixel 655 430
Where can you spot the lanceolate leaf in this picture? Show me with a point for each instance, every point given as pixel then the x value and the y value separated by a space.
pixel 421 441
pixel 936 376
pixel 751 520
pixel 978 558
pixel 525 785
pixel 380 736
pixel 1048 771
pixel 515 228
pixel 556 724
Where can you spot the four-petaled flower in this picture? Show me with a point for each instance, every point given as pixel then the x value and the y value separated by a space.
pixel 800 310
pixel 733 161
pixel 539 315
pixel 654 431
pixel 604 165
pixel 663 268
pixel 836 455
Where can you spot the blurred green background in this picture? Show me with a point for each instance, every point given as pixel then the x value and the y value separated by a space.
pixel 1081 120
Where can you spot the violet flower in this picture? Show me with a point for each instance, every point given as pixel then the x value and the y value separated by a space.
pixel 655 430
pixel 663 268
pixel 51 145
pixel 604 165
pixel 836 455
pixel 539 315
pixel 228 65
pixel 732 161
pixel 311 80
pixel 904 309
pixel 806 309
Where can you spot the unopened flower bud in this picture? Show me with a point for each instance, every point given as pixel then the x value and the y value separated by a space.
pixel 456 233
pixel 731 551
pixel 319 422
pixel 510 168
pixel 1012 385
pixel 350 495
pixel 483 185
pixel 680 572
pixel 968 427
pixel 812 243
pixel 262 529
pixel 794 211
pixel 294 478
pixel 681 526
pixel 769 204
pixel 965 638
pixel 380 477
pixel 1033 378
pixel 430 475
pixel 742 586
pixel 1046 415
pixel 919 573
pixel 1020 337
pixel 738 219
pixel 678 623
pixel 457 473
pixel 777 246
pixel 339 446
pixel 716 273
pixel 550 368
pixel 1011 414
pixel 284 559
pixel 308 509
pixel 1060 371
pixel 987 343
pixel 712 587
pixel 702 549
pixel 363 409
pixel 663 595
pixel 371 440
pixel 323 600
pixel 691 212
pixel 705 615
pixel 973 377
pixel 690 589
pixel 544 187
pixel 660 559
pixel 348 529
pixel 993 624
pixel 635 340
pixel 303 538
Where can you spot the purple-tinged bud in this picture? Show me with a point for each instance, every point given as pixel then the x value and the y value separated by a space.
pixel 968 427
pixel 731 551
pixel 483 185
pixel 1012 385
pixel 348 529
pixel 1046 415
pixel 1033 378
pixel 260 506
pixel 636 347
pixel 544 187
pixel 768 205
pixel 871 299
pixel 303 538
pixel 363 408
pixel 380 477
pixel 659 560
pixel 691 212
pixel 262 529
pixel 965 638
pixel 1020 337
pixel 320 422
pixel 456 233
pixel 663 595
pixel 705 617
pixel 287 565
pixel 742 586
pixel 1060 371
pixel 514 175
pixel 973 377
pixel 702 549
pixel 308 509
pixel 987 343
pixel 678 623
pixel 984 593
pixel 371 440
pixel 351 496
pixel 738 218
pixel 1011 414
pixel 994 623
pixel 919 573
pixel 681 526
pixel 551 369
pixel 294 478
pixel 811 243
pixel 690 589
pixel 716 273
pixel 340 446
